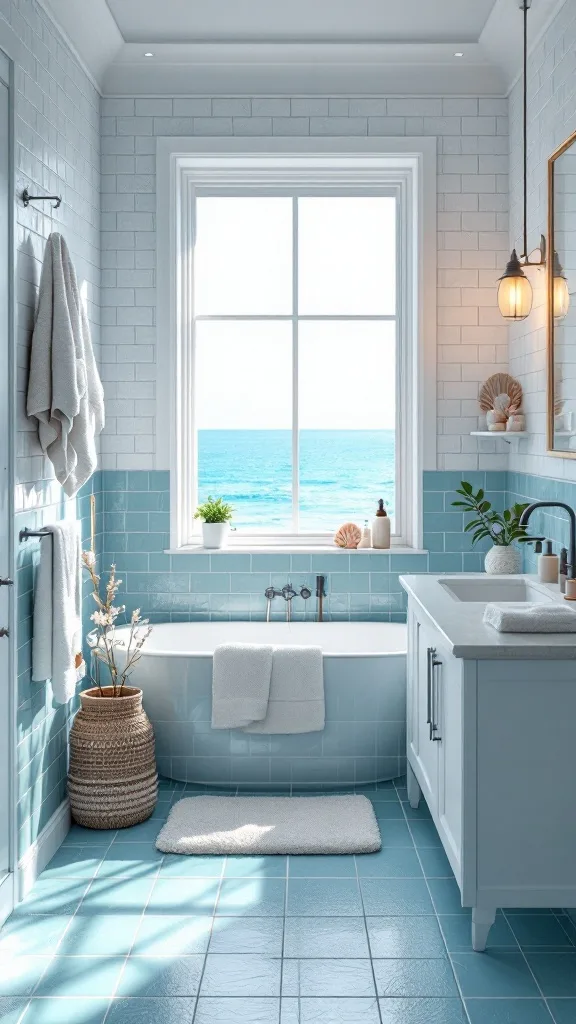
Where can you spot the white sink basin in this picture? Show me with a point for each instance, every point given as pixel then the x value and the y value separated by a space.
pixel 487 588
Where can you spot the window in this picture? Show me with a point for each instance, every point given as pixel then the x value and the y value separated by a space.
pixel 295 337
pixel 292 293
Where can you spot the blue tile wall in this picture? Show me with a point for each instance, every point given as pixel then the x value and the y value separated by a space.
pixel 551 523
pixel 42 724
pixel 202 587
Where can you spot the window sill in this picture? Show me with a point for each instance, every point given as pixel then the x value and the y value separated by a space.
pixel 292 549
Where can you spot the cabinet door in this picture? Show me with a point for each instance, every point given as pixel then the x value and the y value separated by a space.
pixel 447 731
pixel 422 750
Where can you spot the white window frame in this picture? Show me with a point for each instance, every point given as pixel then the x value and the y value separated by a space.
pixel 403 167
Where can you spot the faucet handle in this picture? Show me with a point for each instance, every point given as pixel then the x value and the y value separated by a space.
pixel 305 593
pixel 269 593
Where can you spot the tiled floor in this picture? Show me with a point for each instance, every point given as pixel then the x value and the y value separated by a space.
pixel 114 931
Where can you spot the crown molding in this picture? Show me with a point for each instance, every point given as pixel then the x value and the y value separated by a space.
pixel 302 69
pixel 94 40
pixel 501 39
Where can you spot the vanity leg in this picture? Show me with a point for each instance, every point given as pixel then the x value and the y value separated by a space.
pixel 482 921
pixel 414 791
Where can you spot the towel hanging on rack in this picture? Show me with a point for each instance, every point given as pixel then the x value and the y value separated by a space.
pixel 65 393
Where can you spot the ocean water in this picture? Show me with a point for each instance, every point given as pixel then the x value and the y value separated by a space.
pixel 343 473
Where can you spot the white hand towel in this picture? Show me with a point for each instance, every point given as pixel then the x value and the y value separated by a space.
pixel 531 618
pixel 64 389
pixel 240 684
pixel 57 639
pixel 296 701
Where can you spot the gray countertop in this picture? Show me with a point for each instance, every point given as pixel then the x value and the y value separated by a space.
pixel 461 625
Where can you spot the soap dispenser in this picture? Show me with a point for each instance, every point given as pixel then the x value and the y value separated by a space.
pixel 381 527
pixel 548 565
pixel 366 539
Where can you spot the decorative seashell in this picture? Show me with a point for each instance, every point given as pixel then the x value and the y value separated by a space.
pixel 516 422
pixel 348 536
pixel 500 384
pixel 496 420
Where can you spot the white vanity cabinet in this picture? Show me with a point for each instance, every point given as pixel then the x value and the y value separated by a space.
pixel 490 745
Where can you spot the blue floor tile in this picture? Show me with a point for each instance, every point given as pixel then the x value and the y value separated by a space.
pixel 325 937
pixel 34 934
pixel 424 834
pixel 251 897
pixel 538 930
pixel 422 1011
pixel 130 860
pixel 411 978
pixel 396 833
pixel 80 976
pixel 116 896
pixel 176 866
pixel 150 1011
pixel 554 972
pixel 72 1011
pixel 53 896
pixel 195 896
pixel 389 863
pixel 247 935
pixel 237 1011
pixel 19 975
pixel 99 935
pixel 446 896
pixel 508 1011
pixel 161 977
pixel 172 935
pixel 435 863
pixel 405 937
pixel 146 831
pixel 342 977
pixel 75 862
pixel 90 836
pixel 420 813
pixel 329 1011
pixel 11 1010
pixel 256 867
pixel 322 867
pixel 322 897
pixel 457 929
pixel 388 810
pixel 241 976
pixel 395 896
pixel 563 1010
pixel 494 974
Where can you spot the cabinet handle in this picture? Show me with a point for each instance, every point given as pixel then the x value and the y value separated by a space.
pixel 435 699
pixel 430 655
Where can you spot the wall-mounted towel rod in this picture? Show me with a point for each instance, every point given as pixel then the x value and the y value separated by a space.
pixel 27 199
pixel 25 534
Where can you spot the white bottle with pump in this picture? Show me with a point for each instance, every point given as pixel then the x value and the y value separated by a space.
pixel 381 527
pixel 366 540
pixel 548 565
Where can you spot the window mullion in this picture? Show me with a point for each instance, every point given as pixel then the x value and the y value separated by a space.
pixel 295 389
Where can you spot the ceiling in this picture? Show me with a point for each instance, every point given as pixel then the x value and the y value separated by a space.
pixel 300 47
pixel 144 21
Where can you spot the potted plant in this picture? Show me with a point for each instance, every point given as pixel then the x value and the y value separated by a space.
pixel 502 528
pixel 112 780
pixel 215 514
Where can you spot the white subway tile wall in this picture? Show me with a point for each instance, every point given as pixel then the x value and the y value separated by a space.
pixel 552 118
pixel 472 244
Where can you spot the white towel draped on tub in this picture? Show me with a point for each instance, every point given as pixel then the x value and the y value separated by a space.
pixel 296 702
pixel 64 389
pixel 57 639
pixel 240 684
pixel 268 689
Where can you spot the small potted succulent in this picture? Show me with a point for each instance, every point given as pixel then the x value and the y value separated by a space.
pixel 502 528
pixel 215 514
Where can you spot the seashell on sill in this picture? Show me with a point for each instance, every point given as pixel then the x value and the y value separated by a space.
pixel 348 536
pixel 497 385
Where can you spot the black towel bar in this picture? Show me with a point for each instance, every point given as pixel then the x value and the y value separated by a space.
pixel 26 533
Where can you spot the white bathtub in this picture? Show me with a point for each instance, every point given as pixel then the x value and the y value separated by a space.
pixel 365 686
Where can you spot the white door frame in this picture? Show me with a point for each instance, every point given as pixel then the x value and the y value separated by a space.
pixel 9 54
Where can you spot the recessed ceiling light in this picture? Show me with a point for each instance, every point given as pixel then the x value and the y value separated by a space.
pixel 148 54
pixel 458 54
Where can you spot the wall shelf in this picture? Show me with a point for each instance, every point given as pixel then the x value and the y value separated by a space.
pixel 504 435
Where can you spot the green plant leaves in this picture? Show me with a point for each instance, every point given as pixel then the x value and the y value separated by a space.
pixel 501 527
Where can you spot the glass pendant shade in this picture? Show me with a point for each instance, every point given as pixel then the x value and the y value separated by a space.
pixel 515 291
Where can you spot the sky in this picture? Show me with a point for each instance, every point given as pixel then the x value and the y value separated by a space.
pixel 243 267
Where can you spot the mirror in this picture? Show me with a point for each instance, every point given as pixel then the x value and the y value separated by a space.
pixel 561 270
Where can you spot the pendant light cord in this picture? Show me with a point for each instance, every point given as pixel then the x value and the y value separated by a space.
pixel 525 128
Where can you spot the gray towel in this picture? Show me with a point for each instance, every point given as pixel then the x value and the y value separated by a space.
pixel 57 629
pixel 64 390
pixel 240 684
pixel 531 618
pixel 296 701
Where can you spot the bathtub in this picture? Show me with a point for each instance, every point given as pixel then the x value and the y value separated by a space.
pixel 365 686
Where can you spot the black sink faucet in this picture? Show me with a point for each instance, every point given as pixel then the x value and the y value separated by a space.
pixel 557 504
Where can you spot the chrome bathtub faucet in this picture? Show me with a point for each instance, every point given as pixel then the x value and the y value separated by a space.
pixel 288 593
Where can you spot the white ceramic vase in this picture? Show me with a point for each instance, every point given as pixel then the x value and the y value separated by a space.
pixel 215 535
pixel 501 559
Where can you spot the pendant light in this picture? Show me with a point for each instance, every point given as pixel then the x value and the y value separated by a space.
pixel 515 290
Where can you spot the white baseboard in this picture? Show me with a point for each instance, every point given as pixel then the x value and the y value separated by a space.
pixel 43 849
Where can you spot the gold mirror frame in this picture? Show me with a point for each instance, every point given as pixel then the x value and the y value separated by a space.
pixel 551 249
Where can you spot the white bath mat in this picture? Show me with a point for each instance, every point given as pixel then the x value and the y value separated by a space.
pixel 270 825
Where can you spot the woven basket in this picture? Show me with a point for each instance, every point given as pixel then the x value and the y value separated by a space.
pixel 112 781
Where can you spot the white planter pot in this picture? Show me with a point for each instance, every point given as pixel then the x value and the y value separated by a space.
pixel 215 535
pixel 502 559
